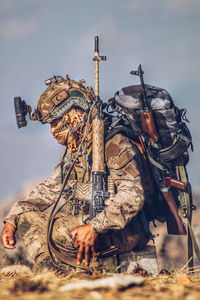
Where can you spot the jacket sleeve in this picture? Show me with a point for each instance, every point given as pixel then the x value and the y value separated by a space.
pixel 129 199
pixel 40 198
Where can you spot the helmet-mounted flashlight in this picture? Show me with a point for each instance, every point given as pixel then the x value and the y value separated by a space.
pixel 58 98
pixel 21 110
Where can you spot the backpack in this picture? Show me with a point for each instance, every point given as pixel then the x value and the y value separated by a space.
pixel 168 157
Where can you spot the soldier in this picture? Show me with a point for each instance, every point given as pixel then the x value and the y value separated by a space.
pixel 68 106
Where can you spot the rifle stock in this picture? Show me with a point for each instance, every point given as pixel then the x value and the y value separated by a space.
pixel 171 182
pixel 174 222
pixel 148 125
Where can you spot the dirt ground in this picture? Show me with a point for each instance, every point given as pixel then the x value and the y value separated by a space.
pixel 20 283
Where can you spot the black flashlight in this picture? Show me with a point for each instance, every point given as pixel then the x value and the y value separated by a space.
pixel 21 110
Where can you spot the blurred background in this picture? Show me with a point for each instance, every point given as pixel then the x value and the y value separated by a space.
pixel 40 39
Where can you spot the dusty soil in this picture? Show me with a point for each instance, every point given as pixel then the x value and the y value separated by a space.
pixel 18 282
pixel 24 284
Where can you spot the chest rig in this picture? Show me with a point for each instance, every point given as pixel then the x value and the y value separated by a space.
pixel 80 182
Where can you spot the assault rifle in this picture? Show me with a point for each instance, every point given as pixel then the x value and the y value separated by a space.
pixel 162 170
pixel 99 192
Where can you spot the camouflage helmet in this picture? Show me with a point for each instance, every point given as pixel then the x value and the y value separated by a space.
pixel 62 95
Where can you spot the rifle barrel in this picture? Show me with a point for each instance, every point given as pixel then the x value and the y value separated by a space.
pixel 96 44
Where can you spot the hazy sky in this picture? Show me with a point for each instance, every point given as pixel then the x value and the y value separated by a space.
pixel 40 38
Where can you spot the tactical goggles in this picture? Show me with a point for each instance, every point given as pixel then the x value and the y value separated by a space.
pixel 75 99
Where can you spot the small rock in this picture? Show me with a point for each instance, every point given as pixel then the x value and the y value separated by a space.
pixel 191 297
pixel 97 296
pixel 115 282
pixel 182 279
pixel 15 269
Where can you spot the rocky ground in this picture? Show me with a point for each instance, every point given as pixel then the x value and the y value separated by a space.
pixel 177 282
pixel 23 284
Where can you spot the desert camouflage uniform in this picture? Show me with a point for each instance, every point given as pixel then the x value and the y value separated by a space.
pixel 118 223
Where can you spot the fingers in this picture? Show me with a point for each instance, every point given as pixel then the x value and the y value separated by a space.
pixel 94 253
pixel 80 254
pixel 8 241
pixel 87 255
pixel 76 244
pixel 11 241
pixel 4 240
pixel 8 236
pixel 84 239
pixel 84 252
pixel 74 232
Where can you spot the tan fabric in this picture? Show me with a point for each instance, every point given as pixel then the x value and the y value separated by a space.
pixel 57 92
pixel 119 216
pixel 129 198
pixel 40 198
pixel 32 227
pixel 145 174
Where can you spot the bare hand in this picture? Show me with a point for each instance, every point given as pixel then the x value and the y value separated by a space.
pixel 85 239
pixel 8 236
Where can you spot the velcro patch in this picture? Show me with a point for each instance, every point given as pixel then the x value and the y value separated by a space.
pixel 58 98
pixel 119 152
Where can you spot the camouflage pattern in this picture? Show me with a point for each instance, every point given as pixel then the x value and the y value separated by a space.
pixel 119 223
pixel 129 198
pixel 32 229
pixel 40 198
pixel 60 96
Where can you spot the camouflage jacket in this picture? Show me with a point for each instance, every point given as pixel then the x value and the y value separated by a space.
pixel 121 208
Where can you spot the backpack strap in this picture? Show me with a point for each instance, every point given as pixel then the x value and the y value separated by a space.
pixel 124 130
pixel 186 208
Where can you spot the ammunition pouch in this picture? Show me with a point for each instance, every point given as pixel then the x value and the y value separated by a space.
pixel 175 150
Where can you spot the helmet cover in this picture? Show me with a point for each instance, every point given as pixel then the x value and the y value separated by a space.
pixel 61 96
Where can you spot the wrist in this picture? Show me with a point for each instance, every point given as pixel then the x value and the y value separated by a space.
pixel 11 221
pixel 10 226
pixel 94 228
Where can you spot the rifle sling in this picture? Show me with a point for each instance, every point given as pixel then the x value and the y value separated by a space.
pixel 194 241
pixel 54 212
pixel 186 205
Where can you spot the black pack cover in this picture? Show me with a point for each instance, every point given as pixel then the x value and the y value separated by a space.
pixel 169 119
pixel 174 135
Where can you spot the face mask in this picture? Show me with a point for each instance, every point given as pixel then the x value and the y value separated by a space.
pixel 69 129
